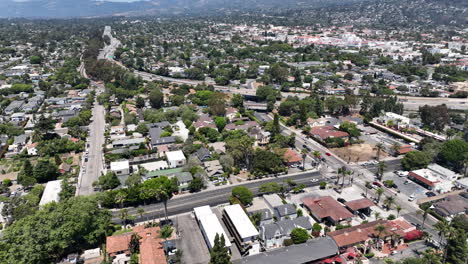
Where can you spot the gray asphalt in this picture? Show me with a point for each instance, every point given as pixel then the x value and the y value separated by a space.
pixel 186 203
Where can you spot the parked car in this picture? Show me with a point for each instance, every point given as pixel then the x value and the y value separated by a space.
pixel 376 183
pixel 430 194
pixel 341 200
pixel 411 198
pixel 328 153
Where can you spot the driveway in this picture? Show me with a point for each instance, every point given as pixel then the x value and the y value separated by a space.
pixel 191 241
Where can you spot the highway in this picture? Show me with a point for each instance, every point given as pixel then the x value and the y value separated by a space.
pixel 108 51
pixel 185 203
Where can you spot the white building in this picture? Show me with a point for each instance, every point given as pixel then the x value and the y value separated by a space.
pixel 397 119
pixel 51 192
pixel 120 168
pixel 435 177
pixel 210 226
pixel 241 228
pixel 175 158
pixel 156 165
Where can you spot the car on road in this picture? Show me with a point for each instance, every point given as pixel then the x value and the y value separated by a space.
pixel 328 153
pixel 314 180
pixel 376 183
pixel 306 147
pixel 333 177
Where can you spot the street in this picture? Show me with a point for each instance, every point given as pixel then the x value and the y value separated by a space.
pixel 213 197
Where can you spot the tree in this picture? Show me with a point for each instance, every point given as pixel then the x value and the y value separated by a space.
pixel 35 59
pixel 457 248
pixel 368 186
pixel 217 104
pixel 45 171
pixel 276 125
pixel 380 170
pixel 46 235
pixel 389 201
pixel 141 212
pixel 379 193
pixel 243 194
pixel 454 153
pixel 134 245
pixel 398 209
pixel 219 254
pixel 161 189
pixel 380 229
pixel 196 185
pixel 269 187
pixel 414 160
pixel 108 181
pixel 379 146
pixel 165 232
pixel 26 176
pixel 316 229
pixel 299 235
pixel 140 102
pixel 237 100
pixel 434 117
pixel 220 123
pixel 425 208
pixel 156 98
pixel 266 162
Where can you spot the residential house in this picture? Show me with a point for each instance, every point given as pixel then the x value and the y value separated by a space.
pixel 273 235
pixel 231 112
pixel 242 126
pixel 452 205
pixel 18 117
pixel 175 158
pixel 120 168
pixel 291 158
pixel 362 205
pixel 322 121
pixel 202 154
pixel 204 121
pixel 184 179
pixel 218 147
pixel 213 168
pixel 261 137
pixel 272 200
pixel 266 217
pixel 32 148
pixel 285 211
pixel 156 139
pixel 132 143
pixel 322 133
pixel 151 250
pixel 13 107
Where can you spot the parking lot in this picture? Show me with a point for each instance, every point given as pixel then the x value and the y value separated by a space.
pixel 191 242
pixel 408 189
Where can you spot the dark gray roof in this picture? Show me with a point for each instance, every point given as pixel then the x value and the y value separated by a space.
pixel 313 250
pixel 303 222
pixel 265 214
pixel 162 124
pixel 203 153
pixel 156 139
pixel 184 176
pixel 285 210
pixel 286 226
pixel 268 231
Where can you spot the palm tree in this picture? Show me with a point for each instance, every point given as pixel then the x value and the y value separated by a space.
pixel 380 170
pixel 389 201
pixel 431 257
pixel 377 215
pixel 141 211
pixel 424 211
pixel 379 193
pixel 398 209
pixel 379 147
pixel 123 213
pixel 380 229
pixel 368 185
pixel 317 155
pixel 395 148
pixel 442 227
pixel 304 153
pixel 120 198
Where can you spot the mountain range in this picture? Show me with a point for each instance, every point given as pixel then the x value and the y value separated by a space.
pixel 96 8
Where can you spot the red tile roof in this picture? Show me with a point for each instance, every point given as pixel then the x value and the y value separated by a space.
pixel 325 132
pixel 151 250
pixel 290 156
pixel 405 149
pixel 359 234
pixel 359 204
pixel 326 206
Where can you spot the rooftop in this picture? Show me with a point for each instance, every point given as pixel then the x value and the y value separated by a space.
pixel 359 204
pixel 175 155
pixel 241 221
pixel 51 192
pixel 326 206
pixel 313 250
pixel 119 165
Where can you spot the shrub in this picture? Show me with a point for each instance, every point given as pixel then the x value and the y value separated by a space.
pixel 288 242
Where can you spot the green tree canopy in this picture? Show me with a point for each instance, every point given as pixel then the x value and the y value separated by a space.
pixel 243 194
pixel 415 160
pixel 299 235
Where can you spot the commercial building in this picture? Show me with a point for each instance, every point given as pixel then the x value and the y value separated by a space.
pixel 434 177
pixel 210 226
pixel 326 209
pixel 241 228
pixel 313 251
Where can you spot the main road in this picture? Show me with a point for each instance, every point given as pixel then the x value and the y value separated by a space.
pixel 186 203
